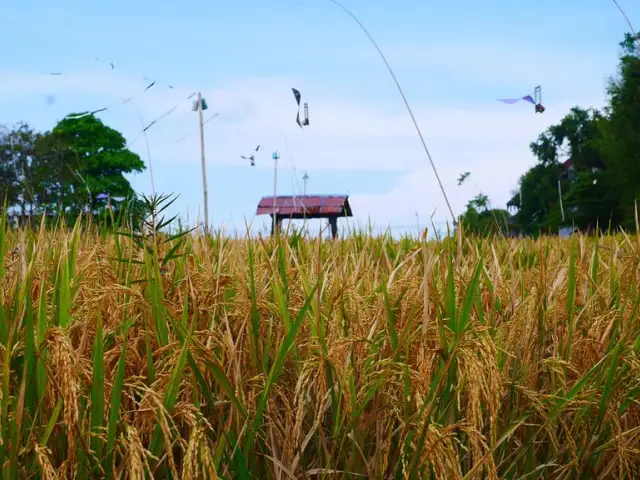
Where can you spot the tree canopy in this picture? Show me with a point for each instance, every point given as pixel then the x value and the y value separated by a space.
pixel 587 173
pixel 17 161
pixel 480 219
pixel 69 169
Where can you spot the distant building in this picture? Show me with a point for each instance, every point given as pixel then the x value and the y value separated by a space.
pixel 571 171
pixel 568 166
pixel 303 207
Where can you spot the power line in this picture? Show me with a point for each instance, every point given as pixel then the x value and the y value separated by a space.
pixel 195 130
pixel 295 173
pixel 144 132
pixel 150 83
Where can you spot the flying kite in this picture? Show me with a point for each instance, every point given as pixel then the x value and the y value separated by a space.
pixel 536 100
pixel 106 63
pixel 87 113
pixel 463 177
pixel 305 122
pixel 252 157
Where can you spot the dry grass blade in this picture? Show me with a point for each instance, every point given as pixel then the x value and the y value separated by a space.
pixel 299 358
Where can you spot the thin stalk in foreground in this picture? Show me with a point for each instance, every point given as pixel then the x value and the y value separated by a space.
pixel 404 98
pixel 633 30
pixel 146 140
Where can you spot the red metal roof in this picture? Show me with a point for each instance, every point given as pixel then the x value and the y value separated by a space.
pixel 306 206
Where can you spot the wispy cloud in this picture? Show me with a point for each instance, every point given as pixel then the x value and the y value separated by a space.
pixel 483 136
pixel 485 65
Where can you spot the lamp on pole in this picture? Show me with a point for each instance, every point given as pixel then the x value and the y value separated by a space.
pixel 275 157
pixel 200 105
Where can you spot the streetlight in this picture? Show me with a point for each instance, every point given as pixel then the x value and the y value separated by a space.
pixel 200 105
pixel 275 157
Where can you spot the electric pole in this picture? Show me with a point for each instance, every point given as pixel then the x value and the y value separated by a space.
pixel 560 196
pixel 202 105
pixel 304 179
pixel 275 157
pixel 520 193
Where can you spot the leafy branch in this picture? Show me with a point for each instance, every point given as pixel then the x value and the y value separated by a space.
pixel 147 234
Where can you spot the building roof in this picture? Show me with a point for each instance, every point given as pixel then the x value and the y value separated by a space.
pixel 309 206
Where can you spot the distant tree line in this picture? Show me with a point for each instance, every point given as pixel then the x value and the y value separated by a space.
pixel 588 167
pixel 77 167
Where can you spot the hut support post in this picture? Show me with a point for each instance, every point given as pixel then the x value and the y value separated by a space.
pixel 333 222
pixel 275 224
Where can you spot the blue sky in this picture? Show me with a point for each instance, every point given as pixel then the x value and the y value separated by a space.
pixel 452 58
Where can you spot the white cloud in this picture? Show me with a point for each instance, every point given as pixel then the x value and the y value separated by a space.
pixel 508 62
pixel 494 147
pixel 489 139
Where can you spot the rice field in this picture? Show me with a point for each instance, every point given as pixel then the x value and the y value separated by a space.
pixel 302 358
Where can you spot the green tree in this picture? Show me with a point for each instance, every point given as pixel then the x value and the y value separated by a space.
pixel 603 181
pixel 537 200
pixel 8 174
pixel 620 135
pixel 17 162
pixel 83 158
pixel 480 219
pixel 585 197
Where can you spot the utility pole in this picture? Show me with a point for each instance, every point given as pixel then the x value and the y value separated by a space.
pixel 520 193
pixel 418 223
pixel 202 105
pixel 275 157
pixel 560 196
pixel 304 179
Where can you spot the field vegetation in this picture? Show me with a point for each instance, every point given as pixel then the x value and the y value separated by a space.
pixel 155 356
pixel 133 352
